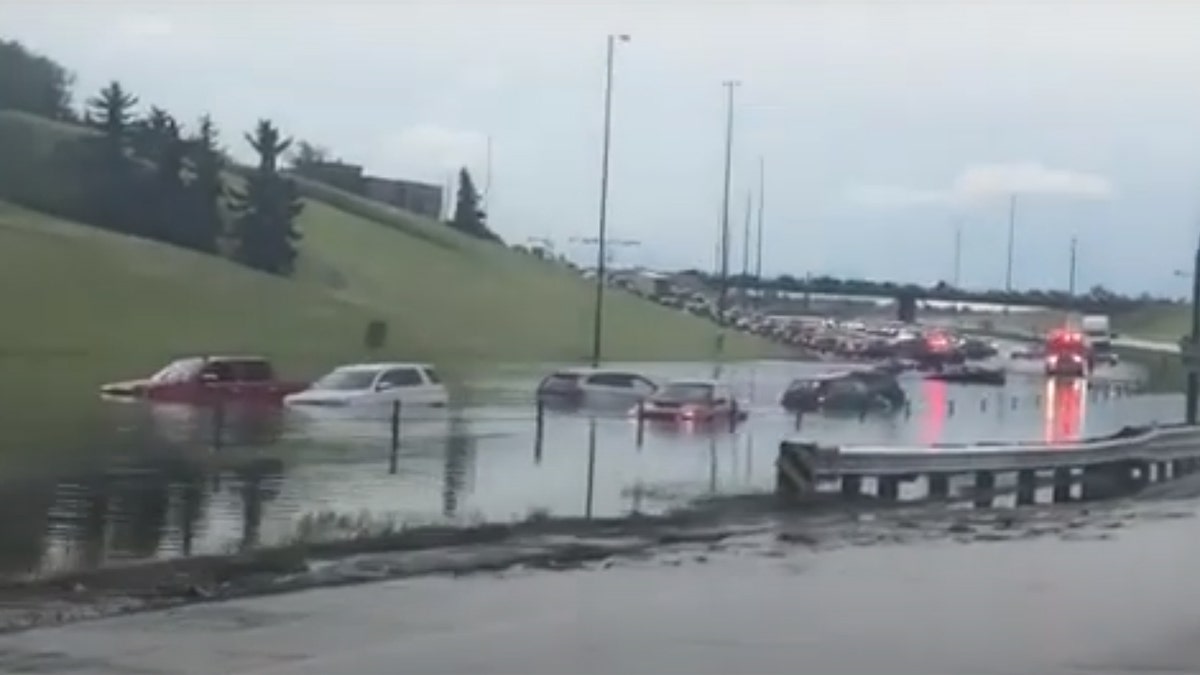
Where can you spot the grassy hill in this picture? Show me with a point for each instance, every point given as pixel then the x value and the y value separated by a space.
pixel 1165 323
pixel 121 304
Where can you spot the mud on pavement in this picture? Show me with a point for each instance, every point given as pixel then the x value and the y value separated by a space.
pixel 751 525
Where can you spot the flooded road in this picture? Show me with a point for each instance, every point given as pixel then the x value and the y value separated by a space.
pixel 1114 597
pixel 167 483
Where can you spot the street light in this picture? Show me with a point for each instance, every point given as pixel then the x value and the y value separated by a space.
pixel 603 227
pixel 1193 376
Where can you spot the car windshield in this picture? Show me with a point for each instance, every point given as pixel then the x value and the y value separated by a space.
pixel 176 371
pixel 686 392
pixel 346 380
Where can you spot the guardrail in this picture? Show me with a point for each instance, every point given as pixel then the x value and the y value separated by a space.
pixel 1102 468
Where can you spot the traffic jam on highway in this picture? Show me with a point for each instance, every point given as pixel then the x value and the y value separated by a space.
pixel 870 358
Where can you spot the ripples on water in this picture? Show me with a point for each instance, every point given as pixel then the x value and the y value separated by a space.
pixel 163 483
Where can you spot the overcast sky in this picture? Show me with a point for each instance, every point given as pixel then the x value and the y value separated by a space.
pixel 881 124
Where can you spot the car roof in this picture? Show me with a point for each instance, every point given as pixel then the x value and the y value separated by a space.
pixel 696 382
pixel 583 371
pixel 382 365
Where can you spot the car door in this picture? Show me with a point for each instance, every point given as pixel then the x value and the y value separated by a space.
pixel 254 379
pixel 719 401
pixel 217 381
pixel 621 387
pixel 435 391
pixel 403 384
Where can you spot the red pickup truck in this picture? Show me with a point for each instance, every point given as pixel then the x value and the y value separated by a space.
pixel 209 379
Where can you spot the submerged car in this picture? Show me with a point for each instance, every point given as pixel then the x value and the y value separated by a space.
pixel 374 384
pixel 692 401
pixel 574 387
pixel 208 379
pixel 970 375
pixel 855 390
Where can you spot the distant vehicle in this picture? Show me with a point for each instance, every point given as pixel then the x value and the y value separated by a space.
pixel 975 349
pixel 1068 354
pixel 592 386
pixel 931 351
pixel 692 401
pixel 970 375
pixel 374 384
pixel 855 390
pixel 204 380
pixel 1098 331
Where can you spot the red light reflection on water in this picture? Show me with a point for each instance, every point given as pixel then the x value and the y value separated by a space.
pixel 933 420
pixel 1065 409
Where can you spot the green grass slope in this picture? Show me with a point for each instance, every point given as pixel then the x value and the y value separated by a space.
pixel 446 297
pixel 1165 323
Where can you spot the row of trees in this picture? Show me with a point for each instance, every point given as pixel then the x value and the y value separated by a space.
pixel 145 176
pixel 1098 298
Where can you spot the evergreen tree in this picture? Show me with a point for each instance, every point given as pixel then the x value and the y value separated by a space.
pixel 157 139
pixel 110 173
pixel 469 218
pixel 306 155
pixel 111 111
pixel 266 209
pixel 33 83
pixel 206 190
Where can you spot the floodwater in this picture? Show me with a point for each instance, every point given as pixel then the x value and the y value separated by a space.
pixel 167 483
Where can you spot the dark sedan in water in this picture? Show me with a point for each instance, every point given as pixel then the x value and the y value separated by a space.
pixel 874 389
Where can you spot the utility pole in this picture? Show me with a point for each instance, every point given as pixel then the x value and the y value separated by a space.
pixel 957 254
pixel 1012 221
pixel 759 238
pixel 487 180
pixel 598 320
pixel 1193 376
pixel 746 239
pixel 723 288
pixel 1071 286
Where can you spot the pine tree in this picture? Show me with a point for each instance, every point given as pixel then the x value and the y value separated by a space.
pixel 266 210
pixel 111 177
pixel 206 189
pixel 469 218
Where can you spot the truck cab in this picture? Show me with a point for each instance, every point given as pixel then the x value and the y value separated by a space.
pixel 1068 354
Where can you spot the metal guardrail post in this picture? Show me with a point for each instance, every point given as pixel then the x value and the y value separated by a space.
pixel 641 423
pixel 539 431
pixel 1026 487
pixel 985 488
pixel 394 455
pixel 939 486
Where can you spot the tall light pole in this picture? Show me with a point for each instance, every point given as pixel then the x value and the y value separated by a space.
pixel 762 168
pixel 598 320
pixel 957 254
pixel 1012 227
pixel 1193 376
pixel 1071 277
pixel 723 288
pixel 746 237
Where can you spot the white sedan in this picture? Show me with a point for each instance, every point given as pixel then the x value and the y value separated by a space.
pixel 374 384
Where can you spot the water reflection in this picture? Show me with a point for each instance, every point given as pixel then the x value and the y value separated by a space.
pixel 1065 409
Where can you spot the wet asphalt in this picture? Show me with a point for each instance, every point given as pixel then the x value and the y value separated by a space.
pixel 1116 595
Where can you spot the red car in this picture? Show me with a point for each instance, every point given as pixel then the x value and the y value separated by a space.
pixel 209 379
pixel 692 401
